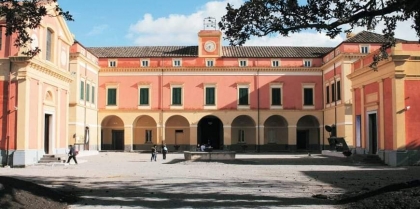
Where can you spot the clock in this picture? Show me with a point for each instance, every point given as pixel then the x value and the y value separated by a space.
pixel 210 46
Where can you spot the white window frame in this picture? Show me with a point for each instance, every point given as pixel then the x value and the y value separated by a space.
pixel 364 46
pixel 275 63
pixel 307 61
pixel 312 86
pixel 138 99
pixel 239 86
pixel 241 61
pixel 175 62
pixel 82 101
pixel 276 85
pixel 112 86
pixel 93 99
pixel 212 61
pixel 172 106
pixel 206 106
pixel 145 62
pixel 112 63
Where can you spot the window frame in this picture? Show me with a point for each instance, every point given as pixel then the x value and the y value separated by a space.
pixel 243 106
pixel 273 61
pixel 82 90
pixel 116 87
pixel 307 61
pixel 93 99
pixel 245 61
pixel 274 86
pixel 149 96
pixel 308 86
pixel 148 136
pixel 210 106
pixel 212 61
pixel 327 94
pixel 175 60
pixel 338 90
pixel 112 63
pixel 364 46
pixel 241 136
pixel 87 96
pixel 49 45
pixel 143 61
pixel 177 106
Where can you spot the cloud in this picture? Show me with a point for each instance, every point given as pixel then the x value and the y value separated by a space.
pixel 97 30
pixel 182 29
pixel 402 31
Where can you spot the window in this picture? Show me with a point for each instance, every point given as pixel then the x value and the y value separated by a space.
pixel 209 63
pixel 144 96
pixel 82 90
pixel 176 95
pixel 243 96
pixel 333 92
pixel 145 63
pixel 48 50
pixel 308 96
pixel 93 95
pixel 338 90
pixel 87 92
pixel 112 63
pixel 1 37
pixel 210 95
pixel 148 135
pixel 241 136
pixel 112 96
pixel 327 94
pixel 276 95
pixel 243 63
pixel 275 63
pixel 307 63
pixel 364 49
pixel 177 63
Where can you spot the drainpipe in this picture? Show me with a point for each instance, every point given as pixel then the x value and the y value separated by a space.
pixel 323 112
pixel 84 123
pixel 161 100
pixel 258 108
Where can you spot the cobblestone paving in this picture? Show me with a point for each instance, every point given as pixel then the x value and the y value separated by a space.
pixel 130 180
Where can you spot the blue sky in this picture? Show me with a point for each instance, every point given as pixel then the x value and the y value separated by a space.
pixel 166 22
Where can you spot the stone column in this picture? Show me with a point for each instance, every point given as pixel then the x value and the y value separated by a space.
pixel 291 139
pixel 398 103
pixel 128 138
pixel 193 138
pixel 227 135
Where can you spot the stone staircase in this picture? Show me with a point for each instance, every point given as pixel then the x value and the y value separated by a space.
pixel 51 159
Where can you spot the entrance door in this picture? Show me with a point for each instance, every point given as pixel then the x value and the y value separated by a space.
pixel 373 134
pixel 118 140
pixel 179 136
pixel 47 133
pixel 302 139
pixel 210 131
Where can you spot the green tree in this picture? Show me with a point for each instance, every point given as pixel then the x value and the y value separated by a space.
pixel 19 15
pixel 263 17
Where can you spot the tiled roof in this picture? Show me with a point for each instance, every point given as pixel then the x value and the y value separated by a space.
pixel 367 37
pixel 192 51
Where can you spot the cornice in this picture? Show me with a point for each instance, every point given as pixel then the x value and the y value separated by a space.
pixel 211 69
pixel 78 55
pixel 46 69
pixel 342 56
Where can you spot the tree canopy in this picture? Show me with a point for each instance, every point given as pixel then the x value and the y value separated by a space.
pixel 263 17
pixel 18 16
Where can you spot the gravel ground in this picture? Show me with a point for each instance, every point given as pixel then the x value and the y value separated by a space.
pixel 130 180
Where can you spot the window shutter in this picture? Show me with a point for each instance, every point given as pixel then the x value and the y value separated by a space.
pixel 93 95
pixel 82 90
pixel 144 96
pixel 243 96
pixel 112 96
pixel 210 96
pixel 275 96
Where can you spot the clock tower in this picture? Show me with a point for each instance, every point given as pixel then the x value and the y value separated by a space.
pixel 210 39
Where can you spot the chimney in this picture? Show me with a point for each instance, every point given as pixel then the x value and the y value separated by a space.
pixel 349 35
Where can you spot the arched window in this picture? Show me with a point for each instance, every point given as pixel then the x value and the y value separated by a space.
pixel 48 48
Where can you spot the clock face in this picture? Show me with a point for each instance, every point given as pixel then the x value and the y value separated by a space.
pixel 210 46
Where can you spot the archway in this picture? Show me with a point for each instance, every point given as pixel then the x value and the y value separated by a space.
pixel 307 133
pixel 177 132
pixel 210 131
pixel 276 130
pixel 144 132
pixel 112 133
pixel 243 131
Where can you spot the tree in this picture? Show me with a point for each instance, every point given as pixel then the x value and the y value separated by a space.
pixel 21 15
pixel 263 17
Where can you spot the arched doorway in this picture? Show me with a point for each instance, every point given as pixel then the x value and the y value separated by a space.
pixel 144 133
pixel 243 132
pixel 210 131
pixel 177 133
pixel 112 133
pixel 307 133
pixel 276 132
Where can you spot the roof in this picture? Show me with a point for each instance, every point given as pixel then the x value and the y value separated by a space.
pixel 228 51
pixel 367 37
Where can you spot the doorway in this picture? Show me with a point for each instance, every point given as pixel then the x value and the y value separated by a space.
pixel 302 139
pixel 47 132
pixel 373 133
pixel 210 131
pixel 117 139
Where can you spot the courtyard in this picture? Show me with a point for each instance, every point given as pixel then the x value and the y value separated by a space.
pixel 130 180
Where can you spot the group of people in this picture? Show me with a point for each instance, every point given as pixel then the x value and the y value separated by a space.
pixel 154 152
pixel 203 147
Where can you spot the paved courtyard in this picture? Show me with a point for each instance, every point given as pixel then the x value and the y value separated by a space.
pixel 130 180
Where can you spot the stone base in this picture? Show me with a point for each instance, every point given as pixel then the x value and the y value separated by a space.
pixel 209 156
pixel 400 158
pixel 22 158
pixel 3 157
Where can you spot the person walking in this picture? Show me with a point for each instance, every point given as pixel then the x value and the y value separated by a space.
pixel 164 151
pixel 154 151
pixel 72 154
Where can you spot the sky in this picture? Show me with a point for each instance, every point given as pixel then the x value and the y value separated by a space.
pixel 100 23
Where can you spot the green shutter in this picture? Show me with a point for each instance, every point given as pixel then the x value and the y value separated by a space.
pixel 87 92
pixel 144 96
pixel 275 96
pixel 112 96
pixel 82 90
pixel 93 95
pixel 176 96
pixel 210 100
pixel 243 96
pixel 327 92
pixel 308 96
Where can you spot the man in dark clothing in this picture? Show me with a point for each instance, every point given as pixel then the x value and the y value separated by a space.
pixel 164 151
pixel 72 154
pixel 154 152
